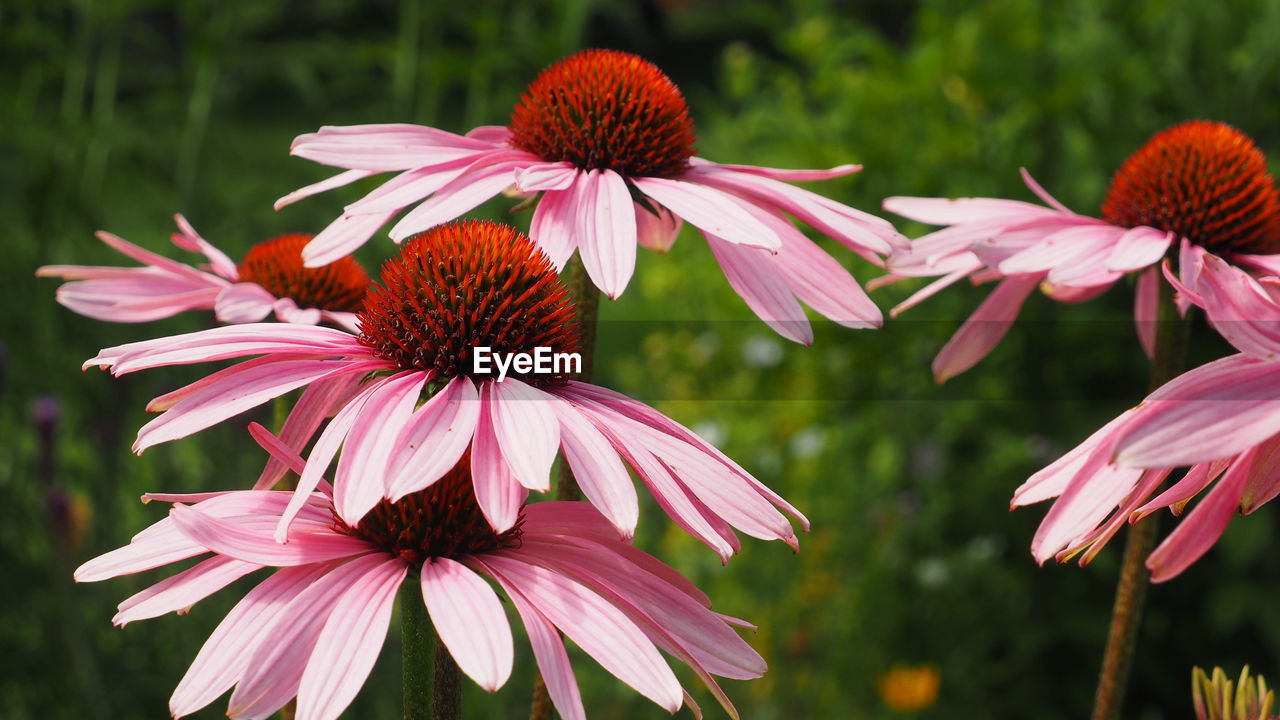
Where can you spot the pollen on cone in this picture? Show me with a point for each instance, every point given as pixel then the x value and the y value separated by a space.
pixel 276 265
pixel 465 285
pixel 1202 180
pixel 606 109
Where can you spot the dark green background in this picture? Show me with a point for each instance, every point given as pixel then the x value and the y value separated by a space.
pixel 117 113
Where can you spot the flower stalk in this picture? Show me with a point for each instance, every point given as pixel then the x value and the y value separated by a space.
pixel 417 641
pixel 1167 361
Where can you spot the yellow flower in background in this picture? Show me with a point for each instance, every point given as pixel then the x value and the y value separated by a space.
pixel 909 689
pixel 1217 698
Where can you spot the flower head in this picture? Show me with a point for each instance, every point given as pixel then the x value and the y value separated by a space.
pixel 1199 184
pixel 1219 421
pixel 463 286
pixel 606 110
pixel 1203 181
pixel 408 406
pixel 314 627
pixel 603 141
pixel 271 278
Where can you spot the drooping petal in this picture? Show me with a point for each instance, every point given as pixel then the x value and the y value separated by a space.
pixel 317 401
pixel 597 468
pixel 435 438
pixel 754 278
pixel 470 620
pixel 600 629
pixel 656 227
pixel 243 303
pixel 1146 309
pixel 224 657
pixel 552 659
pixel 526 429
pixel 234 540
pixel 606 230
pixel 365 463
pixel 188 239
pixel 984 329
pixel 1202 527
pixel 182 590
pixel 709 210
pixel 278 660
pixel 498 493
pixel 350 641
pixel 553 224
pixel 1214 411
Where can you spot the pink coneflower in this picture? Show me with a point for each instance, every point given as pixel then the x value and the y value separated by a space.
pixel 313 628
pixel 271 278
pixel 1222 420
pixel 453 289
pixel 1202 183
pixel 604 138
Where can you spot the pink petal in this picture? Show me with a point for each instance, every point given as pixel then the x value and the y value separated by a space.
pixel 287 310
pixel 1138 248
pixel 316 403
pixel 146 257
pixel 142 297
pixel 383 147
pixel 526 429
pixel 957 211
pixel 350 641
pixel 1051 481
pixel 322 453
pixel 469 618
pixel 552 659
pixel 1200 529
pixel 277 662
pixel 1074 245
pixel 342 237
pixel 224 343
pixel 546 176
pixel 227 537
pixel 243 303
pixel 409 187
pixel 824 284
pixel 599 628
pixel 1191 484
pixel 482 180
pixel 606 230
pixel 1088 500
pixel 231 392
pixel 553 225
pixel 365 462
pixel 182 590
pixel 656 228
pixel 710 210
pixel 223 659
pixel 754 278
pixel 1042 193
pixel 786 174
pixel 597 469
pixel 1215 411
pixel 860 231
pixel 498 493
pixel 188 239
pixel 341 179
pixel 435 438
pixel 984 329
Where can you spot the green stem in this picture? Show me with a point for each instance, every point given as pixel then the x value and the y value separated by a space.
pixel 417 640
pixel 447 703
pixel 1169 359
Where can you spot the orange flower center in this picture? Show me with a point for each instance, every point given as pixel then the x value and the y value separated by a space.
pixel 1202 180
pixel 603 109
pixel 465 285
pixel 276 265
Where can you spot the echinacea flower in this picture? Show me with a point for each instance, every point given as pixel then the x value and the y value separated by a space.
pixel 1220 420
pixel 451 290
pixel 605 140
pixel 1201 184
pixel 314 627
pixel 271 278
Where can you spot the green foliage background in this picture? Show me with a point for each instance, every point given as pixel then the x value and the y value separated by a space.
pixel 118 113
